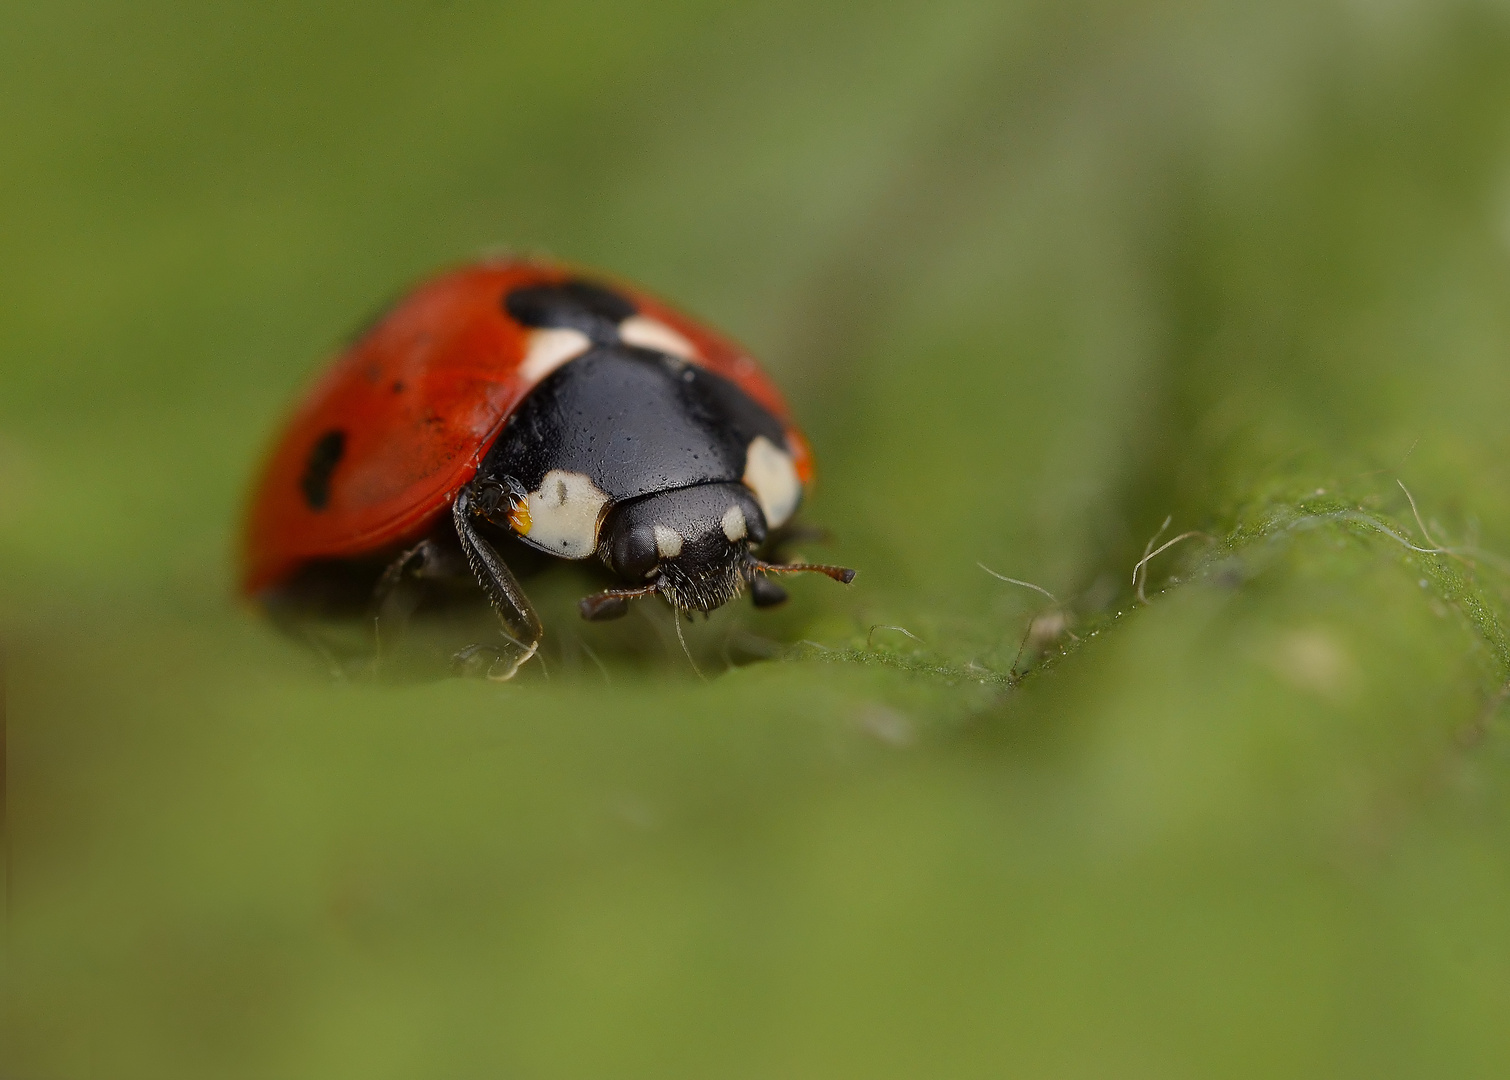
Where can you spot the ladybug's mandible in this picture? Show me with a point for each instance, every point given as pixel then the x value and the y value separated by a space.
pixel 586 419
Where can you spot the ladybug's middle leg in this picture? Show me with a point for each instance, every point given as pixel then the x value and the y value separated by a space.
pixel 401 590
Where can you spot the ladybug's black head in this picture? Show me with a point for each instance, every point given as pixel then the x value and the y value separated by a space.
pixel 695 546
pixel 691 545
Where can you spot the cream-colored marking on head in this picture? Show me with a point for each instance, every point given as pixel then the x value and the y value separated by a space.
pixel 770 474
pixel 668 542
pixel 734 524
pixel 546 350
pixel 564 514
pixel 648 333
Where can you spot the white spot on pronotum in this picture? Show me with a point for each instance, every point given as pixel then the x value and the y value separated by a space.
pixel 770 474
pixel 651 334
pixel 546 350
pixel 564 514
pixel 735 527
pixel 668 542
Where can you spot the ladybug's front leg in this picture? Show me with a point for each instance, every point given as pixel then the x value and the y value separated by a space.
pixel 521 625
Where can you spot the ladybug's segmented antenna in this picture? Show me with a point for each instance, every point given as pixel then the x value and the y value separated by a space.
pixel 842 574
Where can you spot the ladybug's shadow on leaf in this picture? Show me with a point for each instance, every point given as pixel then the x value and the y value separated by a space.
pixel 429 626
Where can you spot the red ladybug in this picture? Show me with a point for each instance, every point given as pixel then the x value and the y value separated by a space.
pixel 585 419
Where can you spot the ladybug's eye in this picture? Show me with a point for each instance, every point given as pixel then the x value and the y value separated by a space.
pixel 632 552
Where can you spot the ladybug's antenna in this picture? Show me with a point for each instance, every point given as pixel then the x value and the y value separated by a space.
pixel 841 574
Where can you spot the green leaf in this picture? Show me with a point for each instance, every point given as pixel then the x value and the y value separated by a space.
pixel 1037 279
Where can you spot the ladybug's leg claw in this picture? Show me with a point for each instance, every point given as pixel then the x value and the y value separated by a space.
pixel 487 660
pixel 521 625
pixel 475 659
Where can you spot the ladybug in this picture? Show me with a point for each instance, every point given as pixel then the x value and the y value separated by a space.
pixel 584 418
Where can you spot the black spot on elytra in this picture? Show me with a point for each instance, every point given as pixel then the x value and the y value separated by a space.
pixel 572 305
pixel 398 386
pixel 323 458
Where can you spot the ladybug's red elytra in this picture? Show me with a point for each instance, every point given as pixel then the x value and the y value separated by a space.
pixel 584 418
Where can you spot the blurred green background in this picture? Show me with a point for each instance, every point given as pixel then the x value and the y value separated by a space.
pixel 1036 277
